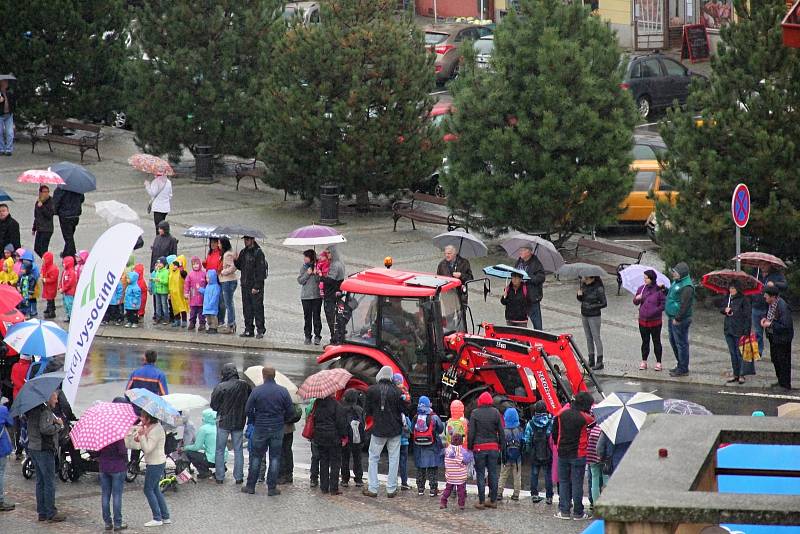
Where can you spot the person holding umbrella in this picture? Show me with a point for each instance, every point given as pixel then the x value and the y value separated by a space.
pixel 149 437
pixel 43 428
pixel 515 299
pixel 455 266
pixel 771 276
pixel 160 192
pixel 679 306
pixel 536 277
pixel 7 102
pixel 68 206
pixel 43 213
pixel 738 321
pixel 650 298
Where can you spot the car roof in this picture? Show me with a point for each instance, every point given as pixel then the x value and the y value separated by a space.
pixel 301 5
pixel 449 28
pixel 645 165
pixel 441 108
pixel 394 283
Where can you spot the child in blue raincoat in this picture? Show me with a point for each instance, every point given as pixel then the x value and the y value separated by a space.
pixel 427 446
pixel 115 312
pixel 211 300
pixel 133 300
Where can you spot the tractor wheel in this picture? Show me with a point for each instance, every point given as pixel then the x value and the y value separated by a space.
pixel 502 403
pixel 363 368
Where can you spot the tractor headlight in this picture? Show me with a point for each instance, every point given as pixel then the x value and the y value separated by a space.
pixel 531 378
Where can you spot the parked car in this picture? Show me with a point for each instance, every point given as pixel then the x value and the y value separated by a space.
pixel 445 41
pixel 307 11
pixel 655 81
pixel 648 188
pixel 484 47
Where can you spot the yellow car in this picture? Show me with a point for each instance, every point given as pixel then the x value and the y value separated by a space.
pixel 640 203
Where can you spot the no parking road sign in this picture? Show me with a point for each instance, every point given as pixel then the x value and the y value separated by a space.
pixel 740 205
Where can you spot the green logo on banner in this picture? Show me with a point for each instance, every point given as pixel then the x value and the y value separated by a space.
pixel 89 291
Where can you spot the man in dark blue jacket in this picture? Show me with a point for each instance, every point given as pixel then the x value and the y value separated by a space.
pixel 780 331
pixel 148 376
pixel 268 408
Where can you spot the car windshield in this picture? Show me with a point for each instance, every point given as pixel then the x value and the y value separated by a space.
pixel 433 38
pixel 364 312
pixel 452 318
pixel 403 334
pixel 484 46
pixel 643 152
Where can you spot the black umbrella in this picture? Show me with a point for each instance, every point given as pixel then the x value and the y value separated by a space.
pixel 77 179
pixel 238 230
pixel 36 391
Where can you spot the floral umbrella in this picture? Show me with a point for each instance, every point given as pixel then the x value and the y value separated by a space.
pixel 36 176
pixel 720 281
pixel 151 164
pixel 755 259
pixel 324 383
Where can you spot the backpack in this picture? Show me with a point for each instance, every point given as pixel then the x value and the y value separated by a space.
pixel 513 445
pixel 540 448
pixel 354 417
pixel 424 437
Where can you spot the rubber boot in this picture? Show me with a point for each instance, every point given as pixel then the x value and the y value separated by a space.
pixel 599 364
pixel 591 361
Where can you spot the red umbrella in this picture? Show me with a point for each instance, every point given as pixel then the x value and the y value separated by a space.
pixel 755 259
pixel 6 320
pixel 40 177
pixel 9 298
pixel 720 281
pixel 324 383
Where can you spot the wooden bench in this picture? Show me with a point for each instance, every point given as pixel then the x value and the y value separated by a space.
pixel 55 134
pixel 410 209
pixel 248 170
pixel 610 248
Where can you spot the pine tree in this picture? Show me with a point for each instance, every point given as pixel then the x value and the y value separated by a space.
pixel 346 102
pixel 193 82
pixel 750 131
pixel 544 139
pixel 67 57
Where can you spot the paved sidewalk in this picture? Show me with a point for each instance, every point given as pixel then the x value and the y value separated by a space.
pixel 370 239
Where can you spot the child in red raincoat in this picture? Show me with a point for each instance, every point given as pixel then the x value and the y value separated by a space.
pixel 139 268
pixel 49 284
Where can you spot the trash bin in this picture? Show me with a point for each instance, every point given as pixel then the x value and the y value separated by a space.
pixel 204 163
pixel 329 204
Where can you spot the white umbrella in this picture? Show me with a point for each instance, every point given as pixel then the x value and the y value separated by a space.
pixel 254 375
pixel 543 249
pixel 185 401
pixel 632 277
pixel 115 212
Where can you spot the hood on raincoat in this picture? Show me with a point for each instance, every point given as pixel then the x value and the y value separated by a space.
pixel 541 420
pixel 9 248
pixel 351 397
pixel 681 269
pixel 27 256
pixel 196 263
pixel 68 262
pixel 169 259
pixel 47 259
pixel 133 278
pixel 424 406
pixel 334 253
pixel 423 411
pixel 456 409
pixel 212 277
pixel 209 417
pixel 539 407
pixel 163 225
pixel 384 374
pixel 181 261
pixel 229 371
pixel 511 418
pixel 485 399
pixel 139 269
pixel 82 256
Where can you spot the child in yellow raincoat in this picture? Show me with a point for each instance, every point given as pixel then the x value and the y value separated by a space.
pixel 8 276
pixel 177 275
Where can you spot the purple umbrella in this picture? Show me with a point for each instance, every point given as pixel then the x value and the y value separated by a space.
pixel 315 234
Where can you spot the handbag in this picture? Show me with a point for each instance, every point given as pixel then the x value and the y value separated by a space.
pixel 748 346
pixel 308 428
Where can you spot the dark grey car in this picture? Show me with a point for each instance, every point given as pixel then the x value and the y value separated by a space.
pixel 655 81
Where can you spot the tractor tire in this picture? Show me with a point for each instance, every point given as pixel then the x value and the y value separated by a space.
pixel 363 368
pixel 502 403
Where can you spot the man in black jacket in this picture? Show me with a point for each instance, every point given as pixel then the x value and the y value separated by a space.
pixel 536 277
pixel 229 399
pixel 253 265
pixel 68 207
pixel 164 245
pixel 456 266
pixel 43 213
pixel 6 120
pixel 485 440
pixel 9 228
pixel 385 405
pixel 780 330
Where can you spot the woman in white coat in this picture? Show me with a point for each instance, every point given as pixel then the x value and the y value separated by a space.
pixel 160 191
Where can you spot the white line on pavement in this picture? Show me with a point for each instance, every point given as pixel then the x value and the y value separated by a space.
pixel 761 395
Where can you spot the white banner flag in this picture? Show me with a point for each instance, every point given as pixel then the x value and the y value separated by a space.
pixel 99 278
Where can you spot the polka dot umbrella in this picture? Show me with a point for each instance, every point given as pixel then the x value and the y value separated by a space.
pixel 102 424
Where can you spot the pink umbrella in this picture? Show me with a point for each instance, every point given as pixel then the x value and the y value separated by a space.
pixel 315 234
pixel 102 424
pixel 35 176
pixel 150 164
pixel 324 383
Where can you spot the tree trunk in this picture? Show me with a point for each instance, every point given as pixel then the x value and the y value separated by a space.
pixel 362 201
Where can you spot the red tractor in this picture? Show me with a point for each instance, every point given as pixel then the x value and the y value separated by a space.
pixel 416 324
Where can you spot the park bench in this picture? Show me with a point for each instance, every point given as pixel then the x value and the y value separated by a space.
pixel 414 210
pixel 610 248
pixel 248 170
pixel 56 133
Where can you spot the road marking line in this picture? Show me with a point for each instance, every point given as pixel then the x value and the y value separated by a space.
pixel 761 395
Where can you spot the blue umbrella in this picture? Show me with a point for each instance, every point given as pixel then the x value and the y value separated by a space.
pixel 622 414
pixel 153 405
pixel 5 197
pixel 502 270
pixel 77 179
pixel 34 336
pixel 36 391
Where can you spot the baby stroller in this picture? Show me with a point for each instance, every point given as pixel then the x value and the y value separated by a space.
pixel 64 454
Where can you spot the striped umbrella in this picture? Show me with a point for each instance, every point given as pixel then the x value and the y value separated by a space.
pixel 102 424
pixel 324 383
pixel 35 176
pixel 622 414
pixel 34 336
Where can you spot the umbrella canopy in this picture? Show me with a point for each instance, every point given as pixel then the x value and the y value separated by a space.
pixel 253 374
pixel 76 178
pixel 204 231
pixel 9 298
pixel 720 281
pixel 42 338
pixel 684 407
pixel 238 230
pixel 151 164
pixel 467 245
pixel 324 383
pixel 154 405
pixel 579 270
pixel 115 212
pixel 315 234
pixel 5 197
pixel 35 176
pixel 10 77
pixel 502 270
pixel 36 391
pixel 102 424
pixel 622 414
pixel 185 401
pixel 543 249
pixel 755 259
pixel 7 319
pixel 632 277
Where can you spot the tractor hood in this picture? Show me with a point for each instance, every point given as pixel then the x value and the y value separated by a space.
pixel 393 283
